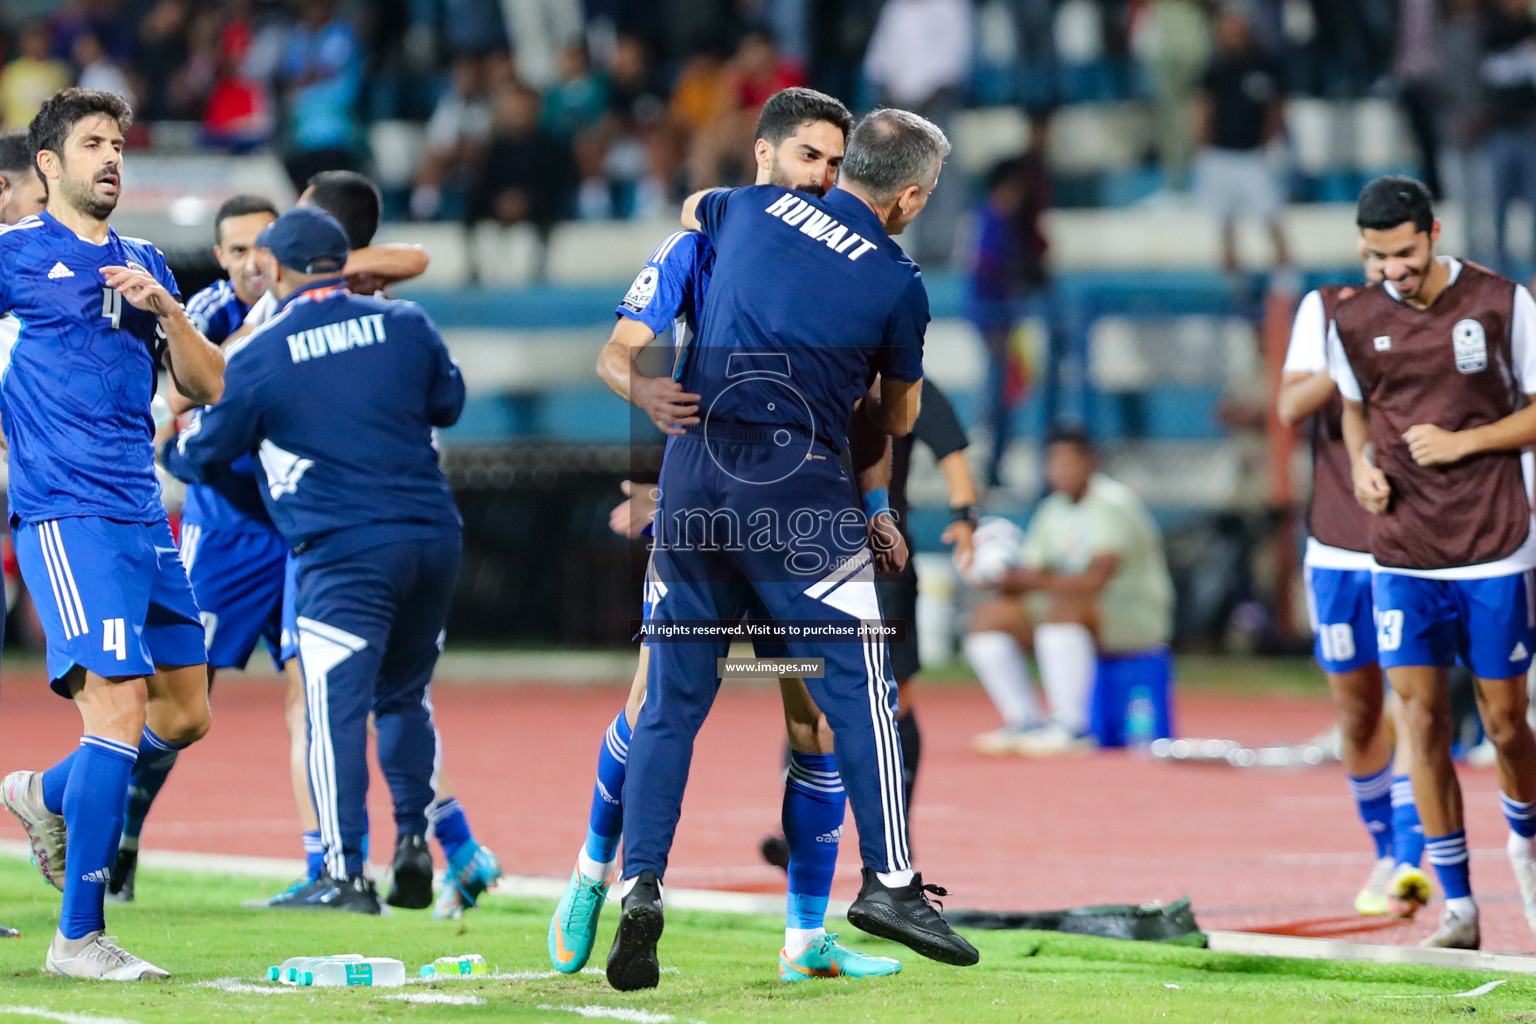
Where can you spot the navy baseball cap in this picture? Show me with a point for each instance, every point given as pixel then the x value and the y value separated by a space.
pixel 307 239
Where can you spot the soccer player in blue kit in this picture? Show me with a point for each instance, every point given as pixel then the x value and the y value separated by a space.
pixel 99 312
pixel 801 134
pixel 339 395
pixel 809 302
pixel 239 581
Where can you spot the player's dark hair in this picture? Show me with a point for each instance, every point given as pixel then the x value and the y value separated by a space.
pixel 1072 434
pixel 1392 200
pixel 891 150
pixel 15 154
pixel 67 108
pixel 240 206
pixel 352 199
pixel 788 109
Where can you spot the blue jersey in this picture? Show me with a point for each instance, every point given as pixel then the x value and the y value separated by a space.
pixel 809 299
pixel 231 500
pixel 76 394
pixel 669 290
pixel 337 394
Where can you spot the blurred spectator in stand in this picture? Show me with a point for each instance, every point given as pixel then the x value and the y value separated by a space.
pixel 28 80
pixel 473 27
pixel 1508 74
pixel 574 103
pixel 321 78
pixel 1463 161
pixel 721 104
pixel 1240 112
pixel 540 29
pixel 1037 84
pixel 162 51
pixel 702 113
pixel 527 174
pixel 98 72
pixel 1417 71
pixel 839 32
pixel 105 19
pixel 627 161
pixel 455 138
pixel 1174 42
pixel 238 113
pixel 1008 281
pixel 920 59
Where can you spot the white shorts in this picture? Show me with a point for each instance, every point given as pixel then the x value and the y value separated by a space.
pixel 1233 183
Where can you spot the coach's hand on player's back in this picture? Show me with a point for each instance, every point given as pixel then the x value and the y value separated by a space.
pixel 1372 490
pixel 1435 446
pixel 140 289
pixel 670 407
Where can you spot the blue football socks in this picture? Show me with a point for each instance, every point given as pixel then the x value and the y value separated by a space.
pixel 93 807
pixel 1373 798
pixel 156 758
pixel 605 825
pixel 814 802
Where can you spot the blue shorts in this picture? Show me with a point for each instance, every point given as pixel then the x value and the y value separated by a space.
pixel 1488 623
pixel 113 597
pixel 1143 679
pixel 238 579
pixel 1343 618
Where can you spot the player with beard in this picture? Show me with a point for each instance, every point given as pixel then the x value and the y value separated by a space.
pixel 1442 358
pixel 99 315
pixel 800 139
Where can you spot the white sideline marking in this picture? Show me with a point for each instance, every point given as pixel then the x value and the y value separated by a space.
pixel 1255 944
pixel 62 1018
pixel 438 997
pixel 245 988
pixel 615 1013
pixel 513 886
pixel 1481 990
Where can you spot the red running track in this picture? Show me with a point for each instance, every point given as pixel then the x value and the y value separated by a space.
pixel 1272 851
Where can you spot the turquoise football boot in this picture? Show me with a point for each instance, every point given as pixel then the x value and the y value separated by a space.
pixel 825 958
pixel 573 929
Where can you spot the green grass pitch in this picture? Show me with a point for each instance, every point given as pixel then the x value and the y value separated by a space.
pixel 717 968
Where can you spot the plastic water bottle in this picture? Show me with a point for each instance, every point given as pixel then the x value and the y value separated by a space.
pixel 1140 719
pixel 456 966
pixel 287 971
pixel 374 971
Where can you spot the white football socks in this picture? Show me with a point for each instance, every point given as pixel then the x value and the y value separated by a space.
pixel 1004 673
pixel 590 868
pixel 1068 663
pixel 797 939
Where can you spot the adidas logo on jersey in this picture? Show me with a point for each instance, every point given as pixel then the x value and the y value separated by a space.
pixel 59 272
pixel 1520 653
pixel 102 875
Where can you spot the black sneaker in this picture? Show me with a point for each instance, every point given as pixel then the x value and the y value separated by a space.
pixel 356 895
pixel 120 885
pixel 632 962
pixel 775 850
pixel 905 915
pixel 412 885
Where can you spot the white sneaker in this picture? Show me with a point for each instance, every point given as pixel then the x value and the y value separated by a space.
pixel 1371 901
pixel 1004 741
pixel 1456 931
pixel 95 957
pixel 22 794
pixel 1524 864
pixel 1054 740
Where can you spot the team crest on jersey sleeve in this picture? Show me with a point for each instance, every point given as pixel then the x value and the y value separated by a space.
pixel 643 290
pixel 1470 344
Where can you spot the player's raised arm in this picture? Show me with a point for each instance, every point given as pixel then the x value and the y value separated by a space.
pixel 691 208
pixel 196 364
pixel 387 263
